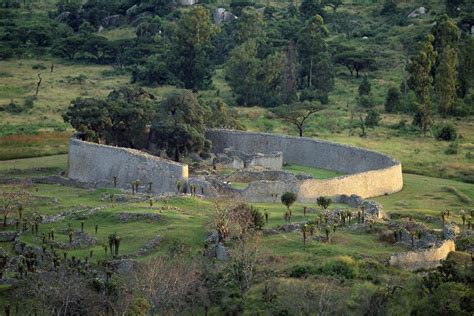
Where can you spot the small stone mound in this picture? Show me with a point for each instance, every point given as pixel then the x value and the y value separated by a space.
pixel 79 240
pixel 150 245
pixel 290 227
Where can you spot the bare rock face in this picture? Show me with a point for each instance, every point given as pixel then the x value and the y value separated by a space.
pixel 451 231
pixel 417 12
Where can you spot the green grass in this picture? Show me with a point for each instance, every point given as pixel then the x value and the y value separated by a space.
pixel 317 173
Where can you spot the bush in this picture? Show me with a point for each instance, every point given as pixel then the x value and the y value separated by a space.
pixel 452 149
pixel 299 271
pixel 365 101
pixel 373 118
pixel 344 267
pixel 446 132
pixel 392 101
pixel 364 87
pixel 257 218
pixel 39 66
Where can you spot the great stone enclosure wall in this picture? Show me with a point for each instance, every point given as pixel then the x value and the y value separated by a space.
pixel 90 162
pixel 368 173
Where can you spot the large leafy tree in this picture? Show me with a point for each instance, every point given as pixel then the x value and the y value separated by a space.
pixel 254 80
pixel 120 119
pixel 357 61
pixel 420 81
pixel 179 125
pixel 91 117
pixel 191 48
pixel 310 8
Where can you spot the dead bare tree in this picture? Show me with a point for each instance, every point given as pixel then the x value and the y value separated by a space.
pixel 13 197
pixel 38 84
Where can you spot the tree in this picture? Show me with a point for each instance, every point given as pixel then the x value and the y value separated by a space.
pixel 179 125
pixel 355 61
pixel 297 114
pixel 365 86
pixel 288 198
pixel 466 66
pixel 445 81
pixel 91 117
pixel 446 34
pixel 311 8
pixel 373 118
pixel 191 46
pixel 254 80
pixel 420 81
pixel 392 100
pixel 11 198
pixel 323 202
pixel 219 115
pixel 453 7
pixel 316 67
pixel 290 73
pixel 69 47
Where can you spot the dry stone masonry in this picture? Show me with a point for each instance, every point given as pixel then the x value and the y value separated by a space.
pixel 368 173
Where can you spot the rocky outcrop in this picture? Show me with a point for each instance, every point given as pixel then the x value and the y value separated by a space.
pixel 351 200
pixel 417 12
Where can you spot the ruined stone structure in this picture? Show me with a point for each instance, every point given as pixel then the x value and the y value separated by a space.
pixel 423 259
pixel 236 159
pixel 90 162
pixel 368 173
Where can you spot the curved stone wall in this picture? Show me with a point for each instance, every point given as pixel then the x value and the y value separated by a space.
pixel 369 173
pixel 95 163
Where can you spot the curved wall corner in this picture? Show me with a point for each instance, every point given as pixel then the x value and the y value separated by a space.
pixel 369 173
pixel 96 163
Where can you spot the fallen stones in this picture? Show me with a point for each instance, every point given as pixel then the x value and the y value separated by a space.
pixel 451 231
pixel 150 245
pixel 374 209
pixel 8 236
pixel 290 227
pixel 352 200
pixel 221 252
pixel 129 217
pixel 79 240
pixel 122 265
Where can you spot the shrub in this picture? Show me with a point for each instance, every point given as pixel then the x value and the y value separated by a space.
pixel 364 87
pixel 257 218
pixel 373 118
pixel 452 148
pixel 365 101
pixel 299 271
pixel 39 66
pixel 323 201
pixel 343 267
pixel 446 132
pixel 392 101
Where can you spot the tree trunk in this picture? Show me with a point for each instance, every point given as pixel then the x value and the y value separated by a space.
pixel 176 154
pixel 38 84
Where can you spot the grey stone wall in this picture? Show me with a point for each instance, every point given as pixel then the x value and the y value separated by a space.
pixel 95 163
pixel 424 259
pixel 369 173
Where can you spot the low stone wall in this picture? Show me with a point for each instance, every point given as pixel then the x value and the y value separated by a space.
pixel 99 164
pixel 425 259
pixel 369 173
